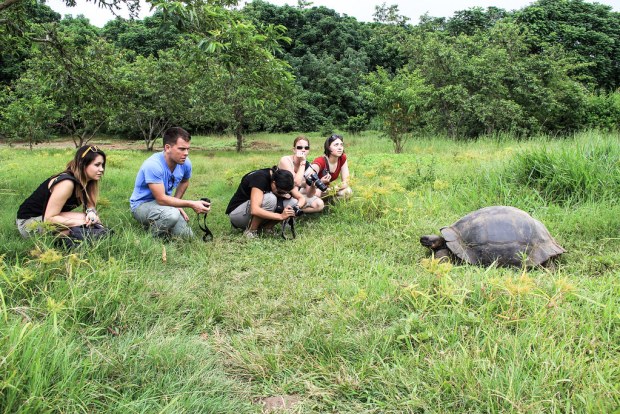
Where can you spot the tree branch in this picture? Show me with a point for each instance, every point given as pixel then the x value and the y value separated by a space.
pixel 7 4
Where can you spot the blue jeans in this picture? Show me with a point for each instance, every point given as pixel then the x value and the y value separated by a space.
pixel 162 220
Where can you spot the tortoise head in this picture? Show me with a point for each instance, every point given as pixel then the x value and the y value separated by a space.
pixel 433 242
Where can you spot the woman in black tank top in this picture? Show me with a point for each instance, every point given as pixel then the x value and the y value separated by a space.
pixel 53 201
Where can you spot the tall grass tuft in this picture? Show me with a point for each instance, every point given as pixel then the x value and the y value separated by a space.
pixel 573 174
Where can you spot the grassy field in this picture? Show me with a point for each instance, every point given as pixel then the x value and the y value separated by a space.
pixel 351 317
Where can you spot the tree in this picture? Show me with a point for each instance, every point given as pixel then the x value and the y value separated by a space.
pixel 490 82
pixel 133 6
pixel 79 78
pixel 399 101
pixel 27 114
pixel 389 15
pixel 156 94
pixel 145 37
pixel 248 75
pixel 591 31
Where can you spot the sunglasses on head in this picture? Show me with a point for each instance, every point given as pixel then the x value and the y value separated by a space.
pixel 92 148
pixel 300 147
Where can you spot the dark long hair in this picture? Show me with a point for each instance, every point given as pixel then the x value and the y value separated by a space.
pixel 85 156
pixel 329 141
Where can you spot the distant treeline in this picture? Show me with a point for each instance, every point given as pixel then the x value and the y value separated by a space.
pixel 550 68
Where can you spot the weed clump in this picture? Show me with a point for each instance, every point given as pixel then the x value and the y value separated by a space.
pixel 574 174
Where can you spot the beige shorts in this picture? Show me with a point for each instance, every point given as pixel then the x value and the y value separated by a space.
pixel 27 227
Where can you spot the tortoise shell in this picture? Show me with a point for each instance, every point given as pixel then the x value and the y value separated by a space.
pixel 503 235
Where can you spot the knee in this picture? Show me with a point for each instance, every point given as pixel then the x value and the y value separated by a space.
pixel 318 204
pixel 169 217
pixel 269 202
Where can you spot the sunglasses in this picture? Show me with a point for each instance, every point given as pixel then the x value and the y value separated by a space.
pixel 92 148
pixel 171 181
pixel 299 147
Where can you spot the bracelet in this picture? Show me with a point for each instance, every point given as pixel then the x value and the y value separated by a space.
pixel 91 210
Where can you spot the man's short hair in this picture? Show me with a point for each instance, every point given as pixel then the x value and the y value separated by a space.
pixel 172 135
pixel 283 180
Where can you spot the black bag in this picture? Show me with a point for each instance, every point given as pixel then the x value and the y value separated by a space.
pixel 80 234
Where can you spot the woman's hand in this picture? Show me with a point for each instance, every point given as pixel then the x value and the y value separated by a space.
pixel 91 217
pixel 326 179
pixel 288 212
pixel 301 157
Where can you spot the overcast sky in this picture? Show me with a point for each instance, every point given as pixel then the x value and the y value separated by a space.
pixel 360 9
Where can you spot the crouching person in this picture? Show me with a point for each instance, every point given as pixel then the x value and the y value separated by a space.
pixel 253 206
pixel 152 202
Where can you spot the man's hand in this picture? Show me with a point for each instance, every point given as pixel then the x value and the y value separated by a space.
pixel 201 207
pixel 183 214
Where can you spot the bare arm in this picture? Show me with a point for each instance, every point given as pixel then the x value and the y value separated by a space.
pixel 60 193
pixel 181 188
pixel 157 189
pixel 301 200
pixel 256 200
pixel 298 176
pixel 344 174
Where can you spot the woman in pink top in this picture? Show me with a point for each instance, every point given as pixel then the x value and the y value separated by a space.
pixel 333 165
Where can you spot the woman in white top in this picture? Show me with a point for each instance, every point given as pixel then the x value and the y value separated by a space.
pixel 298 164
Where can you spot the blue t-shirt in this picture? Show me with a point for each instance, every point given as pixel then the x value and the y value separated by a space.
pixel 154 171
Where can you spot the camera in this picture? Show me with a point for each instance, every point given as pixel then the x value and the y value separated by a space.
pixel 298 211
pixel 205 199
pixel 314 179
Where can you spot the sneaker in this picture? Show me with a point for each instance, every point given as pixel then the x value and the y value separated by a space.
pixel 250 234
pixel 269 232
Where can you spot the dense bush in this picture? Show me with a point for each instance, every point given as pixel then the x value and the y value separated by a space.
pixel 584 172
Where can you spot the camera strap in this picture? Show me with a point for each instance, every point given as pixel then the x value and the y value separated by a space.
pixel 291 222
pixel 207 236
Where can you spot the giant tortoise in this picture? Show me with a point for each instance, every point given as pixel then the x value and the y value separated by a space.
pixel 500 235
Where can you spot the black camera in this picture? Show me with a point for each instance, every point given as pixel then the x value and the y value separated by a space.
pixel 313 179
pixel 205 199
pixel 298 211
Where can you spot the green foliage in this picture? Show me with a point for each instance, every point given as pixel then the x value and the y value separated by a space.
pixel 588 31
pixel 350 317
pixel 603 111
pixel 489 82
pixel 76 70
pixel 399 101
pixel 28 115
pixel 157 94
pixel 587 172
pixel 248 77
pixel 356 124
pixel 145 37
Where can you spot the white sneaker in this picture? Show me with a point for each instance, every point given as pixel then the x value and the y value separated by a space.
pixel 250 234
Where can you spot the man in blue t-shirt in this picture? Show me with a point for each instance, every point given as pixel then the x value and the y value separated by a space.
pixel 152 202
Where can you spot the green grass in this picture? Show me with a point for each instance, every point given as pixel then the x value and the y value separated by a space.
pixel 347 318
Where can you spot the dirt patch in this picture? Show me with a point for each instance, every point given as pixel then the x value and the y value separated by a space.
pixel 261 145
pixel 278 403
pixel 68 144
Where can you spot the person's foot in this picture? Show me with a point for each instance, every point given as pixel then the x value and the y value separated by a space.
pixel 269 232
pixel 250 234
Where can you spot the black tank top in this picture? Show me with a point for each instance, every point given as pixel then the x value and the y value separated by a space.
pixel 36 204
